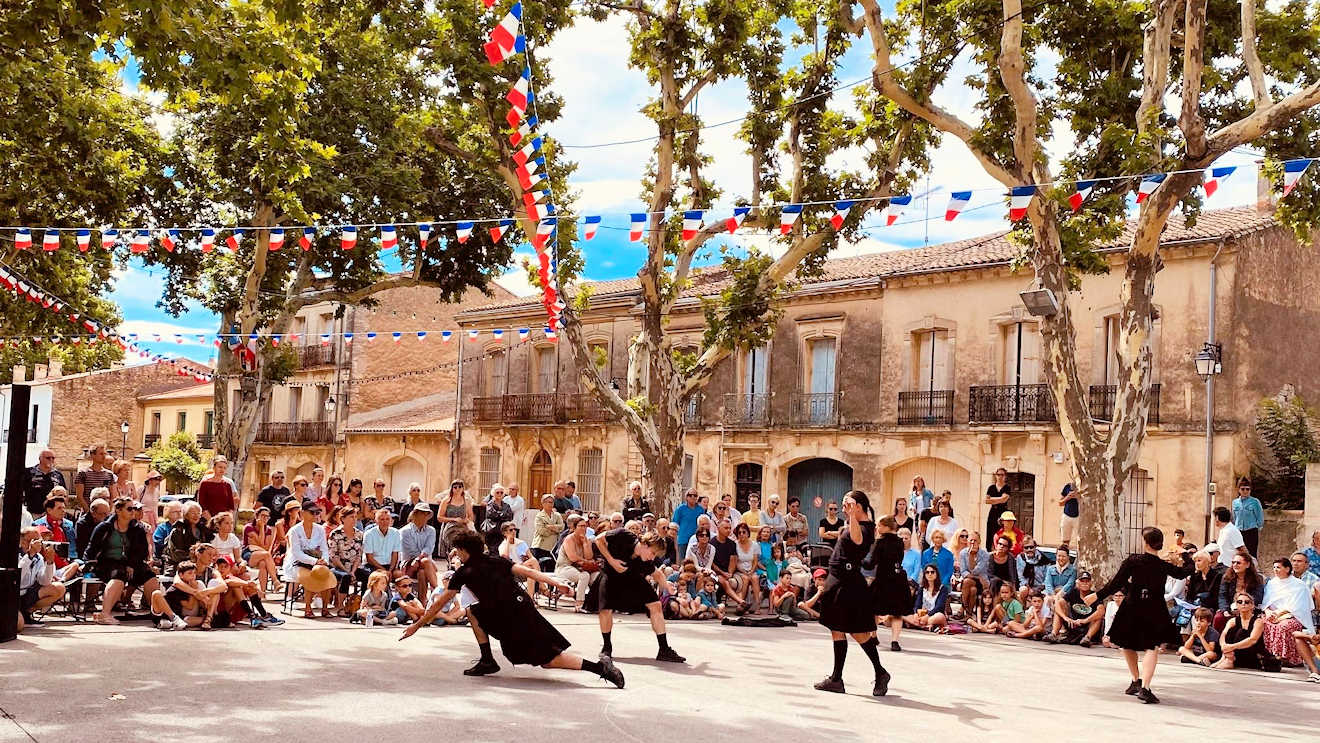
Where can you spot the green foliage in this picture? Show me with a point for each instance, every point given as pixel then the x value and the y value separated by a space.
pixel 742 317
pixel 179 460
pixel 1286 427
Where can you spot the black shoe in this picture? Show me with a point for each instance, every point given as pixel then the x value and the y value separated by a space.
pixel 610 672
pixel 881 684
pixel 606 652
pixel 669 656
pixel 1085 642
pixel 482 668
pixel 829 684
pixel 1052 639
pixel 894 646
pixel 1134 688
pixel 1147 696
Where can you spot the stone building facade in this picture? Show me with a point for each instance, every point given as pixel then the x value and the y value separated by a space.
pixel 921 362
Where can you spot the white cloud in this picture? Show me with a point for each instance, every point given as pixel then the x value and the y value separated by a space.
pixel 515 279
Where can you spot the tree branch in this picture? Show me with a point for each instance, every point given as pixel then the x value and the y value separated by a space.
pixel 1262 120
pixel 1013 72
pixel 450 147
pixel 1190 121
pixel 357 295
pixel 1155 68
pixel 703 81
pixel 1255 69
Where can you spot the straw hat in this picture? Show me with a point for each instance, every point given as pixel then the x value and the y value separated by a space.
pixel 317 579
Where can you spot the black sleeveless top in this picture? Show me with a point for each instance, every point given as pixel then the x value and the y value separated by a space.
pixel 847 556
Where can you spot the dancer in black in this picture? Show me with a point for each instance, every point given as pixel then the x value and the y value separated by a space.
pixel 505 611
pixel 1142 623
pixel 845 604
pixel 891 596
pixel 629 559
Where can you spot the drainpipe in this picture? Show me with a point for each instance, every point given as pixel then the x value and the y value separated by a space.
pixel 1210 396
pixel 458 410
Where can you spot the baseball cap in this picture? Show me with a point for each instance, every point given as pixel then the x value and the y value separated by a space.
pixel 422 508
pixel 820 573
pixel 225 559
pixel 1084 575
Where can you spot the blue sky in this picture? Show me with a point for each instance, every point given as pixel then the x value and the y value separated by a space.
pixel 603 100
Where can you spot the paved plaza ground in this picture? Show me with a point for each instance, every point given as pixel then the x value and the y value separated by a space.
pixel 322 680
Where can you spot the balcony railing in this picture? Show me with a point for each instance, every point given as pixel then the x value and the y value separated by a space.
pixel 312 356
pixel 814 409
pixel 746 411
pixel 929 408
pixel 1101 401
pixel 206 440
pixel 1026 403
pixel 542 408
pixel 309 432
pixel 150 440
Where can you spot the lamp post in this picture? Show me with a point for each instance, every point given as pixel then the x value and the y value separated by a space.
pixel 1209 363
pixel 123 449
pixel 330 412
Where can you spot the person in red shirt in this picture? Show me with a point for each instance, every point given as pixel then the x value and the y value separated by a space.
pixel 1008 528
pixel 217 493
pixel 55 528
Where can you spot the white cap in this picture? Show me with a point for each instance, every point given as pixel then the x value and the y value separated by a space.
pixel 1211 547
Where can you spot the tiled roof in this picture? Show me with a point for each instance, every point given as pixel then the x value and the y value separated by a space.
pixel 430 414
pixel 985 250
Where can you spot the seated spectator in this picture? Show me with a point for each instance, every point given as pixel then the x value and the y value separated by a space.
pixel 1313 554
pixel 1204 583
pixel 911 556
pixel 635 505
pixel 181 605
pixel 1059 577
pixel 548 525
pixel 576 564
pixel 708 596
pixel 1111 611
pixel 681 602
pixel 938 556
pixel 98 511
pixel 1003 565
pixel 945 523
pixel 1308 644
pixel 707 523
pixel 702 552
pixel 241 598
pixel 744 587
pixel 186 532
pixel 932 601
pixel 377 602
pixel 783 600
pixel 454 611
pixel 345 544
pixel 1009 609
pixel 1202 644
pixel 982 617
pixel 1287 608
pixel 1032 625
pixel 973 565
pixel 1300 572
pixel 1242 643
pixel 259 550
pixel 818 577
pixel 1075 621
pixel 407 606
pixel 417 542
pixel 669 531
pixel 382 543
pixel 772 564
pixel 58 532
pixel 307 560
pixel 173 511
pixel 223 538
pixel 1031 567
pixel 499 513
pixel 1241 575
pixel 37 587
pixel 516 551
pixel 119 549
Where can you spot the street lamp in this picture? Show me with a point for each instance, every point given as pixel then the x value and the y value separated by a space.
pixel 1209 361
pixel 334 445
pixel 123 430
pixel 330 404
pixel 1040 302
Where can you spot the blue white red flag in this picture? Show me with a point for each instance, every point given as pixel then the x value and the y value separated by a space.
pixel 23 238
pixel 348 237
pixel 232 240
pixel 1080 196
pixel 389 237
pixel 522 156
pixel 841 209
pixel 108 238
pixel 141 242
pixel 497 232
pixel 308 235
pixel 1019 198
pixel 464 231
pixel 894 209
pixel 958 201
pixel 51 240
pixel 788 215
pixel 1293 171
pixel 1148 186
pixel 589 227
pixel 636 226
pixel 739 214
pixel 423 235
pixel 275 241
pixel 523 132
pixel 692 223
pixel 1214 176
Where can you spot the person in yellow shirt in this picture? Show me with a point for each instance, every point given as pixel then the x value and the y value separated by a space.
pixel 753 516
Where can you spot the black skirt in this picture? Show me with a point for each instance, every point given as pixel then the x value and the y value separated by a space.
pixel 846 604
pixel 1143 624
pixel 526 638
pixel 626 591
pixel 890 593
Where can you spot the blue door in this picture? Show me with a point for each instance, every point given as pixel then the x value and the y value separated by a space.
pixel 827 478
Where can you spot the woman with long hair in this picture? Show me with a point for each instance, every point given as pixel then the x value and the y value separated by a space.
pixel 930 609
pixel 945 522
pixel 454 511
pixel 223 538
pixel 333 496
pixel 1240 576
pixel 901 515
pixel 746 587
pixel 890 596
pixel 259 549
pixel 846 602
pixel 1142 623
pixel 152 490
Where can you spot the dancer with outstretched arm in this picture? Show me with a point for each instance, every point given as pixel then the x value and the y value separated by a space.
pixel 629 559
pixel 846 604
pixel 505 611
pixel 1142 623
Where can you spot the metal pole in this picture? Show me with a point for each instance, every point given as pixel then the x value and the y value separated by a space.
pixel 20 397
pixel 458 410
pixel 1210 403
pixel 1017 378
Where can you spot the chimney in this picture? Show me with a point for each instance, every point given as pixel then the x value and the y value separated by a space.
pixel 39 371
pixel 20 373
pixel 1265 196
pixel 55 368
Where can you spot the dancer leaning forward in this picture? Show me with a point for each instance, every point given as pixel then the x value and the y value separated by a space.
pixel 629 561
pixel 846 605
pixel 505 611
pixel 1142 623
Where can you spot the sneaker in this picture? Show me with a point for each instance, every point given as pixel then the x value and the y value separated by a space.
pixel 255 623
pixel 482 668
pixel 1147 696
pixel 1314 678
pixel 669 656
pixel 178 623
pixel 881 684
pixel 272 620
pixel 1134 688
pixel 829 684
pixel 164 625
pixel 895 647
pixel 611 672
pixel 390 621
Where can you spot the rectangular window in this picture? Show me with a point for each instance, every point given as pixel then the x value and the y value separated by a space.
pixel 689 467
pixel 545 370
pixel 208 426
pixel 183 421
pixel 1021 354
pixel 155 423
pixel 495 374
pixel 754 371
pixel 488 473
pixel 295 404
pixel 322 397
pixel 263 472
pixel 1110 368
pixel 932 361
pixel 590 480
pixel 822 366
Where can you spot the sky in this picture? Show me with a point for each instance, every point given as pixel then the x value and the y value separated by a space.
pixel 603 100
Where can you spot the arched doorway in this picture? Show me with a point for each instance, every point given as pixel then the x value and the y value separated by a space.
pixel 403 473
pixel 940 475
pixel 746 480
pixel 827 479
pixel 539 478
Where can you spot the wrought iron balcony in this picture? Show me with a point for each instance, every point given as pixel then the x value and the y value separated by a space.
pixel 538 408
pixel 1100 399
pixel 310 356
pixel 304 432
pixel 1026 403
pixel 746 411
pixel 814 409
pixel 206 440
pixel 150 440
pixel 928 408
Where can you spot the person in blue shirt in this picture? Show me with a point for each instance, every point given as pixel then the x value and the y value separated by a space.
pixel 686 516
pixel 1071 511
pixel 1313 553
pixel 1248 515
pixel 941 557
pixel 573 500
pixel 1061 576
pixel 911 556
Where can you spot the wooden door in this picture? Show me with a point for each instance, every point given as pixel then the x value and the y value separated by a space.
pixel 539 479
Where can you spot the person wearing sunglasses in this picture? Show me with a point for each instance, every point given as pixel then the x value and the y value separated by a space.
pixel 39 480
pixel 828 529
pixel 1248 515
pixel 1243 642
pixel 119 549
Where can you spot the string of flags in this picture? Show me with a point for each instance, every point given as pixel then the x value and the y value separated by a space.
pixel 530 167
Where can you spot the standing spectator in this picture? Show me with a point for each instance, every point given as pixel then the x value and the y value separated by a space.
pixel 635 505
pixel 828 529
pixel 911 555
pixel 217 492
pixel 382 544
pixel 417 542
pixel 119 549
pixel 405 509
pixel 1230 537
pixel 1313 554
pixel 945 523
pixel 902 516
pixel 685 515
pixel 316 488
pixel 727 499
pixel 921 497
pixel 454 511
pixel 519 507
pixel 773 518
pixel 669 532
pixel 996 496
pixel 1071 505
pixel 38 481
pixel 274 495
pixel 152 490
pixel 795 524
pixel 891 598
pixel 334 496
pixel 124 486
pixel 345 543
pixel 498 513
pixel 570 492
pixel 562 503
pixel 1248 516
pixel 1008 528
pixel 95 476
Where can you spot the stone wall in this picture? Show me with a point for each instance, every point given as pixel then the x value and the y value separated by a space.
pixel 1284 533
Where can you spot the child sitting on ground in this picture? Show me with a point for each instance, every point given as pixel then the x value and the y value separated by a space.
pixel 1009 609
pixel 710 609
pixel 982 616
pixel 818 589
pixel 407 605
pixel 453 612
pixel 376 602
pixel 1202 645
pixel 783 599
pixel 1032 625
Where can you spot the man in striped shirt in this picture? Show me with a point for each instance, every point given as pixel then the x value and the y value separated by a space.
pixel 96 476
